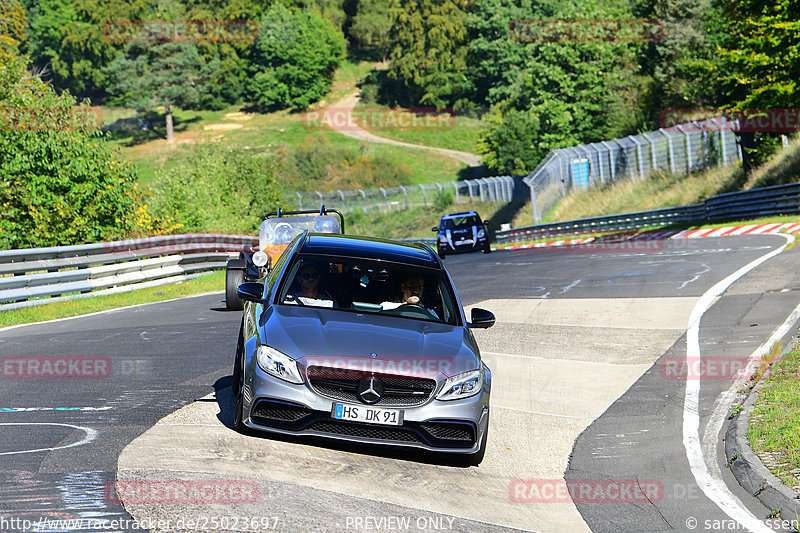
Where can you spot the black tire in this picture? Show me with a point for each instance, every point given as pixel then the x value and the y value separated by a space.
pixel 233 278
pixel 238 423
pixel 487 249
pixel 236 382
pixel 441 252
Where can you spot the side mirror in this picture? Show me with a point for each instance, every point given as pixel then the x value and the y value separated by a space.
pixel 481 318
pixel 434 228
pixel 486 222
pixel 251 291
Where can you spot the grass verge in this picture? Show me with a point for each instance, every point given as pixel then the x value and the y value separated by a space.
pixel 210 283
pixel 774 428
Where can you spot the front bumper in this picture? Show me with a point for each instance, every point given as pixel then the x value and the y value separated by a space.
pixel 455 426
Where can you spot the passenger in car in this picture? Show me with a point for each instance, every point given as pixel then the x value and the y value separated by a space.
pixel 308 290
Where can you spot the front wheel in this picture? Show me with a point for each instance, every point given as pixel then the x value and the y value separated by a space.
pixel 487 249
pixel 233 278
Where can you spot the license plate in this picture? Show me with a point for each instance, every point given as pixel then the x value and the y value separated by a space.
pixel 465 241
pixel 370 415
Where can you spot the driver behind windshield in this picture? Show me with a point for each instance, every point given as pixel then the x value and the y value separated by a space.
pixel 411 289
pixel 307 287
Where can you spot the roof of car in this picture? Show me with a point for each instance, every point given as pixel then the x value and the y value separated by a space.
pixel 461 214
pixel 371 248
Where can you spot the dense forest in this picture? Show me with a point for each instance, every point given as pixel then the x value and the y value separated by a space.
pixel 535 90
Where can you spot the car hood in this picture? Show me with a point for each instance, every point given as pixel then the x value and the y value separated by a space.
pixel 370 343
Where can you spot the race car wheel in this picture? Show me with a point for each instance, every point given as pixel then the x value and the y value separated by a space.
pixel 441 252
pixel 487 249
pixel 233 278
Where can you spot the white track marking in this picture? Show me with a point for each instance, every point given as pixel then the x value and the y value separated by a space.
pixel 90 435
pixel 726 399
pixel 713 487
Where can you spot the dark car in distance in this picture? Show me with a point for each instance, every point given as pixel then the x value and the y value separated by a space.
pixel 462 232
pixel 365 340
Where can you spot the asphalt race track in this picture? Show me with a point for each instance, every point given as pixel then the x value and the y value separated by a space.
pixel 587 387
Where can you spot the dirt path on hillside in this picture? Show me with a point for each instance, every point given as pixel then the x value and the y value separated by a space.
pixel 346 104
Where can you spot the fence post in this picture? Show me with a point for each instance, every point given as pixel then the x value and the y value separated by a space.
pixel 424 199
pixel 688 136
pixel 531 185
pixel 671 149
pixel 610 160
pixel 455 186
pixel 364 196
pixel 321 201
pixel 638 156
pixel 441 191
pixel 299 199
pixel 341 195
pixel 599 162
pixel 385 199
pixel 405 194
pixel 469 184
pixel 652 151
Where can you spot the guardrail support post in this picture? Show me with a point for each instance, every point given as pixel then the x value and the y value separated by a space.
pixel 385 199
pixel 341 195
pixel 405 194
pixel 321 201
pixel 455 186
pixel 688 136
pixel 299 199
pixel 424 199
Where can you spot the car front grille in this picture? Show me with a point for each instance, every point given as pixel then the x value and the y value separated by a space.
pixel 399 391
pixel 454 431
pixel 364 431
pixel 275 413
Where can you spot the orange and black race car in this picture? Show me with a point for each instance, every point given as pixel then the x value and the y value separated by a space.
pixel 276 231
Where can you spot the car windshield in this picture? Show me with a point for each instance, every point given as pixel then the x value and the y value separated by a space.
pixel 460 222
pixel 366 286
pixel 281 230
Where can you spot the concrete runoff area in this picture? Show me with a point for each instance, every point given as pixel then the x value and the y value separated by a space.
pixel 552 377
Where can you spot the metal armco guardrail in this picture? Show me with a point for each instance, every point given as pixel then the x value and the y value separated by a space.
pixel 766 201
pixel 42 272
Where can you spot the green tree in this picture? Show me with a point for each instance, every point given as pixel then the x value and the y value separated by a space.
pixel 60 183
pixel 428 52
pixel 295 57
pixel 12 29
pixel 168 74
pixel 70 38
pixel 217 188
pixel 371 27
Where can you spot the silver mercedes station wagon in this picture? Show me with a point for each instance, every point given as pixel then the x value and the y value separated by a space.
pixel 363 340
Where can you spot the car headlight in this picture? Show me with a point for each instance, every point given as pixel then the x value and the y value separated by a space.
pixel 462 386
pixel 481 233
pixel 442 238
pixel 278 364
pixel 260 258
